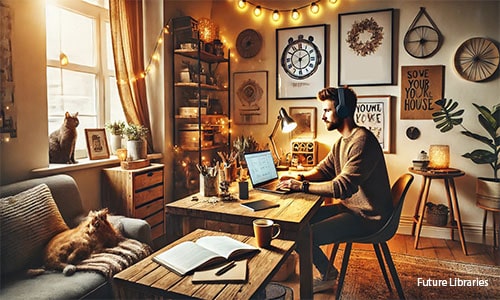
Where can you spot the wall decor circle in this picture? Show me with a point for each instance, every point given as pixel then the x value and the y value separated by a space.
pixel 422 41
pixel 477 59
pixel 248 43
pixel 376 35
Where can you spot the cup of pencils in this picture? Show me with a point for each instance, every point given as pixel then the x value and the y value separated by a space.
pixel 209 181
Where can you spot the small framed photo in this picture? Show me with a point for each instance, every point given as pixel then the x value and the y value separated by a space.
pixel 366 45
pixel 305 117
pixel 250 97
pixel 97 145
pixel 375 113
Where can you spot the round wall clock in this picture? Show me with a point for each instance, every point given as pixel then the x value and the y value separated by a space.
pixel 248 43
pixel 477 59
pixel 422 41
pixel 301 57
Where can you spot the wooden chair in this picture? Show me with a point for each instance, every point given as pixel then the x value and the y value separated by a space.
pixel 379 239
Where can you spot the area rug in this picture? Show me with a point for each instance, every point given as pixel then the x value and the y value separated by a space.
pixel 421 278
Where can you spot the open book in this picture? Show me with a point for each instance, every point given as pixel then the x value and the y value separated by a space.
pixel 208 250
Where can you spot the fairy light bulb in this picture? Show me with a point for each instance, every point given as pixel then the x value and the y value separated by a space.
pixel 333 1
pixel 276 15
pixel 257 11
pixel 63 59
pixel 242 4
pixel 295 14
pixel 314 8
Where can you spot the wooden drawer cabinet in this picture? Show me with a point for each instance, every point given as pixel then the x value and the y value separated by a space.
pixel 136 193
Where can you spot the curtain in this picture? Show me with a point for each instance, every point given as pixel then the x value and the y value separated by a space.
pixel 127 39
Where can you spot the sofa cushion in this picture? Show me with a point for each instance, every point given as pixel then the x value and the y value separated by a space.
pixel 28 221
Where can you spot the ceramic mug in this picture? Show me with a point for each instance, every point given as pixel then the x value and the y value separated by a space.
pixel 264 231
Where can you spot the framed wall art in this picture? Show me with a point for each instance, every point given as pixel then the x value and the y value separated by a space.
pixel 250 97
pixel 305 117
pixel 374 113
pixel 366 48
pixel 97 145
pixel 301 56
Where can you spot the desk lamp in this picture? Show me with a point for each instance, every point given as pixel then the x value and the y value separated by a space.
pixel 287 125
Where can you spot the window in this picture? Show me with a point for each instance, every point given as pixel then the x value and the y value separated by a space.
pixel 79 32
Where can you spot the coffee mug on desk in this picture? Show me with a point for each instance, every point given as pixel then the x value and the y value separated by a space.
pixel 265 230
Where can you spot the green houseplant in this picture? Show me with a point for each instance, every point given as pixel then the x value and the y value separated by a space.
pixel 449 116
pixel 115 130
pixel 136 142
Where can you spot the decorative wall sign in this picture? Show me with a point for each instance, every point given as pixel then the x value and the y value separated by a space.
pixel 365 48
pixel 300 61
pixel 97 144
pixel 374 113
pixel 250 98
pixel 421 86
pixel 305 117
pixel 422 41
pixel 477 59
pixel 248 43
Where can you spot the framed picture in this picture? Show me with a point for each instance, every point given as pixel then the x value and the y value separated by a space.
pixel 305 117
pixel 250 97
pixel 301 56
pixel 366 48
pixel 97 145
pixel 374 113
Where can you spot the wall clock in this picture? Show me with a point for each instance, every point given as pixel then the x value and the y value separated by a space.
pixel 300 61
pixel 422 41
pixel 248 43
pixel 477 59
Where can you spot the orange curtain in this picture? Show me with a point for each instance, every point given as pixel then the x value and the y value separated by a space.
pixel 127 39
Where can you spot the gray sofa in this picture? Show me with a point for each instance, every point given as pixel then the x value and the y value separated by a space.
pixel 15 284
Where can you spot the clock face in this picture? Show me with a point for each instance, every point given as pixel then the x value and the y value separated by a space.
pixel 300 58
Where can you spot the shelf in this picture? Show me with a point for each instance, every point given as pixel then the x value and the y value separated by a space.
pixel 205 148
pixel 202 85
pixel 204 56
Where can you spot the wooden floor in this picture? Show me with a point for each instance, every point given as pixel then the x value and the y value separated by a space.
pixel 428 247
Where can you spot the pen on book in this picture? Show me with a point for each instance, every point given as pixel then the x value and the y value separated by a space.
pixel 226 268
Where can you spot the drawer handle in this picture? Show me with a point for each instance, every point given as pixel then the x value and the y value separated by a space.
pixel 150 174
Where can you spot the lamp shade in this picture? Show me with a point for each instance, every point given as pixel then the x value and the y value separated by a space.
pixel 287 123
pixel 439 156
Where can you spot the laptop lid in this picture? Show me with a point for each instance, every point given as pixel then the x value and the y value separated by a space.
pixel 261 167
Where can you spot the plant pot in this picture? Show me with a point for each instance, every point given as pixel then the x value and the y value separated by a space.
pixel 137 149
pixel 115 142
pixel 488 192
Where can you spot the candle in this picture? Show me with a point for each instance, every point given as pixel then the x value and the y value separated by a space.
pixel 122 154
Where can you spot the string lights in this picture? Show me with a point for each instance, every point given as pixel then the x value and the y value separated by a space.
pixel 277 13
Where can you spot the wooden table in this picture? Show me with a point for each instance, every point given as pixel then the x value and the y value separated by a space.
pixel 293 215
pixel 451 194
pixel 147 279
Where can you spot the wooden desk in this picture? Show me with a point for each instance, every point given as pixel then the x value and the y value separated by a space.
pixel 451 194
pixel 293 215
pixel 147 279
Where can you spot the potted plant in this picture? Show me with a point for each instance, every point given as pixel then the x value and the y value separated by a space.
pixel 487 188
pixel 136 142
pixel 242 145
pixel 115 130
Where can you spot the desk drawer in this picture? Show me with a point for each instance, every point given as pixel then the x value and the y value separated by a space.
pixel 145 196
pixel 157 231
pixel 148 179
pixel 149 209
pixel 155 219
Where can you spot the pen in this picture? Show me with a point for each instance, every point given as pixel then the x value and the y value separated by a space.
pixel 226 268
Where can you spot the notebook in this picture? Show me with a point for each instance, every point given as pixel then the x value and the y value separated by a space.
pixel 262 171
pixel 260 204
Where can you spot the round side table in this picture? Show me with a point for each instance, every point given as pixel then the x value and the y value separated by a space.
pixel 447 176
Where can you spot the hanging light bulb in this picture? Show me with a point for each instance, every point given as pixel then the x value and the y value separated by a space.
pixel 276 15
pixel 333 1
pixel 295 14
pixel 242 3
pixel 257 11
pixel 63 59
pixel 314 8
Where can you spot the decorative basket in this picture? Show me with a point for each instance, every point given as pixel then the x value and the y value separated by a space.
pixel 437 215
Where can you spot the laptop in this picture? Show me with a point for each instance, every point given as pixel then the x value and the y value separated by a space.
pixel 262 171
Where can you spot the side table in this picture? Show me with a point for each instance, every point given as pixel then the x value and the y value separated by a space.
pixel 448 176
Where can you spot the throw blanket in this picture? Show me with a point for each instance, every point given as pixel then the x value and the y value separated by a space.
pixel 114 260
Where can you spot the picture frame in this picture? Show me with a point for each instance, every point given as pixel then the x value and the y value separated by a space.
pixel 97 144
pixel 375 113
pixel 297 78
pixel 305 117
pixel 362 62
pixel 250 97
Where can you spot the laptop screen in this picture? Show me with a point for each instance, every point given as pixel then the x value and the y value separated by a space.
pixel 261 167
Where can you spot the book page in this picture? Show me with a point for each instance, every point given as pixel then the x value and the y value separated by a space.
pixel 185 257
pixel 225 246
pixel 238 274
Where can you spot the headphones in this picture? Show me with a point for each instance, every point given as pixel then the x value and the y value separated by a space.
pixel 341 108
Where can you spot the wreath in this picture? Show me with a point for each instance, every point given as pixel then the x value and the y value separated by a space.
pixel 370 46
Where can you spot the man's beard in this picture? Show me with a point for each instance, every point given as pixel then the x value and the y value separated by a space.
pixel 335 124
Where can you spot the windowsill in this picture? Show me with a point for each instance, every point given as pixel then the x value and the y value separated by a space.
pixel 84 163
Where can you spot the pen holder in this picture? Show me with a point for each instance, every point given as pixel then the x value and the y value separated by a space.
pixel 209 185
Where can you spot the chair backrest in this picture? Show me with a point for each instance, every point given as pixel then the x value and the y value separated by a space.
pixel 398 192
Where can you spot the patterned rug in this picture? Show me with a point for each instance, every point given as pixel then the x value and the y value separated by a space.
pixel 421 278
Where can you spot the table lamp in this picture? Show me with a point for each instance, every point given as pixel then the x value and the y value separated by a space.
pixel 287 125
pixel 439 157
